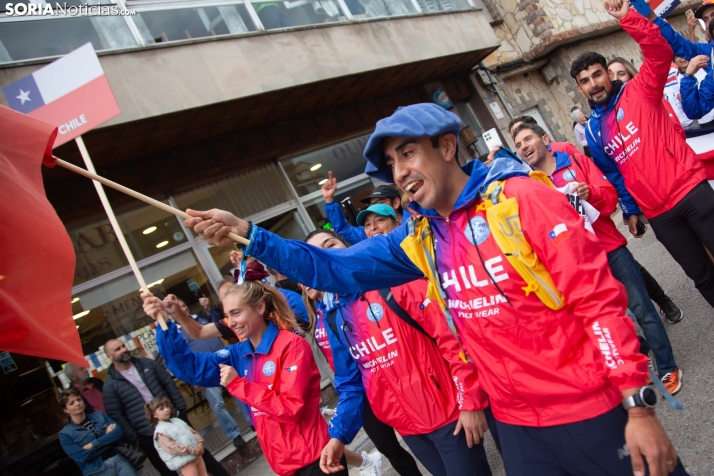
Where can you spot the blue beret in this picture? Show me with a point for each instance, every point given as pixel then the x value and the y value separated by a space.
pixel 415 121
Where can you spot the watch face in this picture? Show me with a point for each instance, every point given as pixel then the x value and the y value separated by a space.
pixel 649 396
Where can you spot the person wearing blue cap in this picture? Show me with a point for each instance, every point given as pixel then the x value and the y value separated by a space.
pixel 524 287
pixel 387 195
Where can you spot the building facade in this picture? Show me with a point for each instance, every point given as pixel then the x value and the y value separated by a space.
pixel 237 104
pixel 539 41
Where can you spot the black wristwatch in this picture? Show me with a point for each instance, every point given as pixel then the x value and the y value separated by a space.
pixel 645 398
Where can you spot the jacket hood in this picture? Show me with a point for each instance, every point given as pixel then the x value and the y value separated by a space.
pixel 598 109
pixel 505 165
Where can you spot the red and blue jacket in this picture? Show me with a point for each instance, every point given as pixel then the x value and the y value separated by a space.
pixel 415 383
pixel 603 196
pixel 632 139
pixel 280 382
pixel 697 99
pixel 538 366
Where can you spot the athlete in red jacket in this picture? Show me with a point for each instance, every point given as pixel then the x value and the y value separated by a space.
pixel 632 140
pixel 671 311
pixel 594 189
pixel 272 370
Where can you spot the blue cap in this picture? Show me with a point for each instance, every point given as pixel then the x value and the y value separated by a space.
pixel 415 121
pixel 379 209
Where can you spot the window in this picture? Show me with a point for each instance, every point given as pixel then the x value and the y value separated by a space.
pixel 344 160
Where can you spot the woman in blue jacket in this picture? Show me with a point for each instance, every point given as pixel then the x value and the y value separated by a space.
pixel 88 439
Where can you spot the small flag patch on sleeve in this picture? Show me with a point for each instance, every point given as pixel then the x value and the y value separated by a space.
pixel 558 233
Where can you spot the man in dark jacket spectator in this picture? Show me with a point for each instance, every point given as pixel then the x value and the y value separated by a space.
pixel 131 383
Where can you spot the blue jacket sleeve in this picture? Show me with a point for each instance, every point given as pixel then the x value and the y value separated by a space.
pixel 370 264
pixel 627 203
pixel 197 369
pixel 351 234
pixel 350 390
pixel 681 46
pixel 296 304
pixel 697 99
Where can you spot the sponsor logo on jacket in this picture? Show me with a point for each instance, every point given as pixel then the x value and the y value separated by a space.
pixel 472 277
pixel 613 147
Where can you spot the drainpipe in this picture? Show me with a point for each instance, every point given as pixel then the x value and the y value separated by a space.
pixel 498 91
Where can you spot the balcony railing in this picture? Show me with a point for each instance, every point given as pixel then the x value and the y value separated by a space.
pixel 141 23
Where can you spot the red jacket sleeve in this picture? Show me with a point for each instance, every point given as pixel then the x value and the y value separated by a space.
pixel 285 400
pixel 412 298
pixel 652 77
pixel 579 268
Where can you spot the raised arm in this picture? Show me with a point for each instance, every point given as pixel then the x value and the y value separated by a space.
pixel 657 54
pixel 351 234
pixel 197 369
pixel 680 45
pixel 371 264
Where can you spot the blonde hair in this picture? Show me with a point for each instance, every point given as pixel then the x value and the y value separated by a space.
pixel 277 309
pixel 151 407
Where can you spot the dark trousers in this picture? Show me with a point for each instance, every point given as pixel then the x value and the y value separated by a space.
pixel 386 442
pixel 625 269
pixel 313 469
pixel 594 447
pixel 444 454
pixel 685 230
pixel 654 290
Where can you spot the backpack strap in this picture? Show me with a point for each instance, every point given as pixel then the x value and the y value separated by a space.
pixel 399 311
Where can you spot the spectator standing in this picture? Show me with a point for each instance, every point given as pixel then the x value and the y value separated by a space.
pixel 88 439
pixel 89 387
pixel 579 130
pixel 131 383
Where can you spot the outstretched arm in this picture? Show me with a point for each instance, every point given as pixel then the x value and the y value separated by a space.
pixel 371 264
pixel 657 53
pixel 681 46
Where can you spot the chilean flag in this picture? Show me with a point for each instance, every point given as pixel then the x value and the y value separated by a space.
pixel 72 94
pixel 558 233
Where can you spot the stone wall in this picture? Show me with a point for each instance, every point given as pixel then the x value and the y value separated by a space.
pixel 554 101
pixel 531 28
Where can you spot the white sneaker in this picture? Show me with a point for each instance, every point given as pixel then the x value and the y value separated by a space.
pixel 327 412
pixel 375 464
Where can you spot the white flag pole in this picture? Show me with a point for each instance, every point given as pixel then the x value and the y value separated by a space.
pixel 113 220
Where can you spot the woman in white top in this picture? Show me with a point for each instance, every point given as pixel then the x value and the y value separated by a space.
pixel 579 130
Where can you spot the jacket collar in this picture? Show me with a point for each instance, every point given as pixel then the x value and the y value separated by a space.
pixel 598 109
pixel 505 165
pixel 115 373
pixel 562 160
pixel 266 343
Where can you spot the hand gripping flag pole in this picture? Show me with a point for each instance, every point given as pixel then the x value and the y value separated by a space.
pixel 98 181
